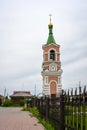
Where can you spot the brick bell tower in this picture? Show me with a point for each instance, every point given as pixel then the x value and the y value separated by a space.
pixel 51 66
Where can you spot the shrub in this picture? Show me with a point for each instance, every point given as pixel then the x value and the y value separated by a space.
pixel 7 103
pixel 22 102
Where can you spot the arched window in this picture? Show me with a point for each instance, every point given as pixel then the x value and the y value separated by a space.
pixel 52 55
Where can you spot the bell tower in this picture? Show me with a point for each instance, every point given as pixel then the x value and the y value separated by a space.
pixel 51 66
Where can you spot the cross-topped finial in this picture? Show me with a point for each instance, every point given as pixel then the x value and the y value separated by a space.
pixel 50 24
pixel 50 17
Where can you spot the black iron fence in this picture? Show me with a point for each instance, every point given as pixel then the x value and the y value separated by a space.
pixel 76 109
pixel 67 112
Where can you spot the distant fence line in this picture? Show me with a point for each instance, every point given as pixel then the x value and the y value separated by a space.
pixel 67 112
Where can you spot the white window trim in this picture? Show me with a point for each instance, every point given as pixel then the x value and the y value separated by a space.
pixel 46 80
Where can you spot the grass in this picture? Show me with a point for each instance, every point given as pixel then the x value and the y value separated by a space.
pixel 76 121
pixel 35 113
pixel 76 117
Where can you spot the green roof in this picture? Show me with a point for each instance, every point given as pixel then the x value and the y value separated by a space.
pixel 50 37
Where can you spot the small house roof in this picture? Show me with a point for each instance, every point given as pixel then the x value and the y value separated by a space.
pixel 21 94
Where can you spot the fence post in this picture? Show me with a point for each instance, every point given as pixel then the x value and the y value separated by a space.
pixel 84 108
pixel 47 108
pixel 41 107
pixel 62 113
pixel 34 102
pixel 38 103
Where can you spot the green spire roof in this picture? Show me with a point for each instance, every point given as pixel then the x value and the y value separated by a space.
pixel 50 37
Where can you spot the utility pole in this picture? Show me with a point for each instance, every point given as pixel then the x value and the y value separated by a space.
pixel 4 94
pixel 35 89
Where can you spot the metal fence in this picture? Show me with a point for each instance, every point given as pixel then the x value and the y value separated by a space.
pixel 67 112
pixel 75 108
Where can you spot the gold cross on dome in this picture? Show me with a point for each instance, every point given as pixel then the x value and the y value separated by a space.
pixel 50 17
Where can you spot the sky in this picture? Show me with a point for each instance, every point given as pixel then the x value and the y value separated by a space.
pixel 23 31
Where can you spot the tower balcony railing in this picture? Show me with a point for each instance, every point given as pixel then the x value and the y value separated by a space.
pixel 47 72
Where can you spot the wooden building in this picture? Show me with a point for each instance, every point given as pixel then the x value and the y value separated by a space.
pixel 20 95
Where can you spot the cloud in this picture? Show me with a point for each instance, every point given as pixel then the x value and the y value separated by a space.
pixel 23 31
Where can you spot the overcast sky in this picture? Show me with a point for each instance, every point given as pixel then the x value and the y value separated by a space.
pixel 23 31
